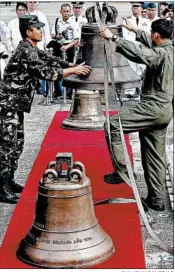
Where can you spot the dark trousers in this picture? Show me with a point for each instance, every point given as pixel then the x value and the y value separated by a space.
pixel 150 119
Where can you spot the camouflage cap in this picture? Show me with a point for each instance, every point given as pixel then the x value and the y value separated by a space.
pixel 30 20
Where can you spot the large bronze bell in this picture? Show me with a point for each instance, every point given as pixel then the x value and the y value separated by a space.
pixel 65 232
pixel 86 112
pixel 92 52
pixel 86 117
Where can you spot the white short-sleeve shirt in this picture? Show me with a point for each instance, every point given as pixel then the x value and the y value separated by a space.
pixel 67 31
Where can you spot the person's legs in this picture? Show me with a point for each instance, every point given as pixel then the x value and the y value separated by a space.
pixel 17 188
pixel 58 89
pixel 154 165
pixel 128 119
pixel 151 121
pixel 70 57
pixel 39 87
pixel 142 117
pixel 11 145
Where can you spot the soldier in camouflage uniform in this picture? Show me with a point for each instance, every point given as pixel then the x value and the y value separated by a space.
pixel 25 68
pixel 152 115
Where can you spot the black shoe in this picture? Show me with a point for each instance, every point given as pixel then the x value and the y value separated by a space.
pixel 113 178
pixel 55 95
pixel 16 188
pixel 156 204
pixel 7 196
pixel 129 96
pixel 39 91
pixel 135 95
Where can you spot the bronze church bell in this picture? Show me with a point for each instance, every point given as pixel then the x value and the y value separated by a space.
pixel 92 52
pixel 86 112
pixel 65 232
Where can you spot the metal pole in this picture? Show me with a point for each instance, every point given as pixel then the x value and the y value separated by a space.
pixel 49 97
pixel 64 89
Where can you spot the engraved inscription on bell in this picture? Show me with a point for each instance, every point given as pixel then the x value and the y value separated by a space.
pixel 65 231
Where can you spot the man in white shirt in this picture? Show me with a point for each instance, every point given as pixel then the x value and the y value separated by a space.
pixel 151 12
pixel 13 36
pixel 3 51
pixel 137 21
pixel 80 19
pixel 77 13
pixel 32 8
pixel 144 10
pixel 67 33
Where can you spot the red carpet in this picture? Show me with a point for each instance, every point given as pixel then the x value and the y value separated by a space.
pixel 120 221
pixel 58 136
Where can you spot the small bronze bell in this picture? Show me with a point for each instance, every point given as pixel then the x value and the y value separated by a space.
pixel 86 112
pixel 65 232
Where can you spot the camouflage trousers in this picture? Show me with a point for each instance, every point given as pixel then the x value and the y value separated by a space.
pixel 11 143
pixel 150 119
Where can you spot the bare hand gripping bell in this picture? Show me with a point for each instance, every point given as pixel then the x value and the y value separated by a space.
pixel 65 232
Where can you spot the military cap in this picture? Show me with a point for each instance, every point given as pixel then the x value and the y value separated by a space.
pixel 171 6
pixel 151 5
pixel 144 6
pixel 30 20
pixel 136 3
pixel 77 4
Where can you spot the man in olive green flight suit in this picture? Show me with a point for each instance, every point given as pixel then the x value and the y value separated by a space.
pixel 27 65
pixel 152 115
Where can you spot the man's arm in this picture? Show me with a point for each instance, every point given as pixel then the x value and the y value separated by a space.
pixel 47 58
pixel 64 48
pixel 144 37
pixel 49 69
pixel 141 35
pixel 141 54
pixel 151 57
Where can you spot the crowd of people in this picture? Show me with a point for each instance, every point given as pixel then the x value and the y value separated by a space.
pixel 65 34
pixel 142 16
pixel 29 63
pixel 146 43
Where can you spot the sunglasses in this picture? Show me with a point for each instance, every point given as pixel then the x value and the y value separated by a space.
pixel 136 6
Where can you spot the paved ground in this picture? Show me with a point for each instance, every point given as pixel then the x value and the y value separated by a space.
pixel 36 125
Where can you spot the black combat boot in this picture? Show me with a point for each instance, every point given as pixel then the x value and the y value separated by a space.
pixel 15 187
pixel 6 194
pixel 155 203
pixel 113 178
